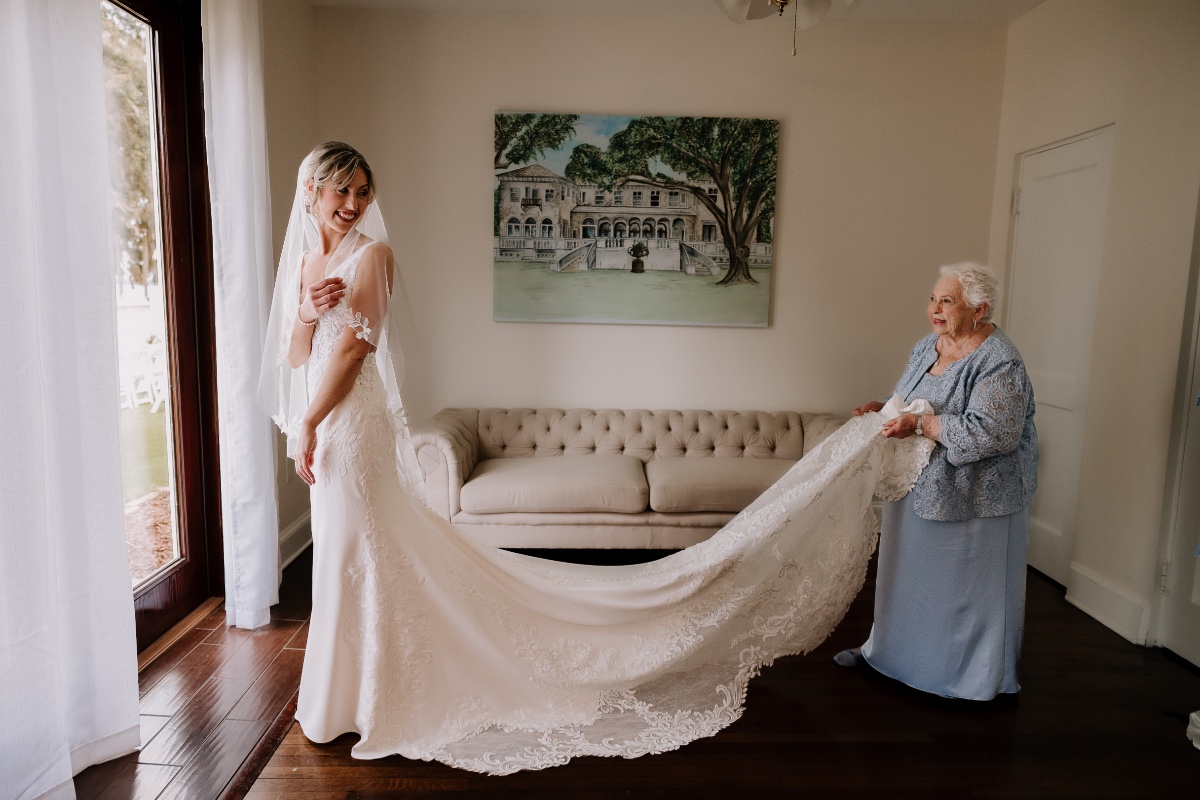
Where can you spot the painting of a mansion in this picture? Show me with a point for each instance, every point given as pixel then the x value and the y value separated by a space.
pixel 575 226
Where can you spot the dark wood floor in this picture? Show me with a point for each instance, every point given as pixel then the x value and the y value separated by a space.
pixel 1097 717
pixel 209 701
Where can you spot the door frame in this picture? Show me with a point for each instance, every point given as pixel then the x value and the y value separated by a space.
pixel 1186 378
pixel 188 276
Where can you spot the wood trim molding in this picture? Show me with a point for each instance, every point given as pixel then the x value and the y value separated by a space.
pixel 295 539
pixel 162 643
pixel 1116 607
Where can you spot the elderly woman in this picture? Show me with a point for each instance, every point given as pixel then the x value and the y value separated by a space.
pixel 950 591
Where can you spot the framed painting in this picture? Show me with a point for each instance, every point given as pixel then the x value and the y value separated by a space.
pixel 634 220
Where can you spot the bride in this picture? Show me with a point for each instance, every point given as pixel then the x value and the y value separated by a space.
pixel 428 644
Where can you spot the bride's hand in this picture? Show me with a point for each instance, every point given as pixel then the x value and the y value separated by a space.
pixel 306 447
pixel 320 297
pixel 901 427
pixel 874 405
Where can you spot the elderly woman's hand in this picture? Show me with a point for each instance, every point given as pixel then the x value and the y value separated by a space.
pixel 900 427
pixel 866 408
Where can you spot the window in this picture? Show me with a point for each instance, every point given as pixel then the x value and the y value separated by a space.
pixel 619 198
pixel 583 198
pixel 673 198
pixel 160 264
pixel 637 198
pixel 530 228
pixel 513 226
pixel 537 195
pixel 654 197
pixel 513 195
pixel 589 228
pixel 708 232
pixel 605 229
pixel 547 229
pixel 599 199
pixel 712 193
pixel 549 195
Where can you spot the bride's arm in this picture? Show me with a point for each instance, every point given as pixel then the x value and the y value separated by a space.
pixel 371 295
pixel 319 298
pixel 344 365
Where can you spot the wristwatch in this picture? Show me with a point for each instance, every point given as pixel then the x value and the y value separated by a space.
pixel 920 430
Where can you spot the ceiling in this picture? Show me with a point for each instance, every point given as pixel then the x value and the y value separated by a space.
pixel 995 11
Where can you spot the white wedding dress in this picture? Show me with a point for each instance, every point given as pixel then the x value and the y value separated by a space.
pixel 433 646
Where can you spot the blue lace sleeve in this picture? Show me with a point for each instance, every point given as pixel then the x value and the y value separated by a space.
pixel 993 420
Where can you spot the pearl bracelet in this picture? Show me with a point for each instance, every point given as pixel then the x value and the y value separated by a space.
pixel 300 319
pixel 920 430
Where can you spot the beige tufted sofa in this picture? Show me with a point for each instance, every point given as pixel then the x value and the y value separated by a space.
pixel 581 478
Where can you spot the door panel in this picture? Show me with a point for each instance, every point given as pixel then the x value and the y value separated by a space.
pixel 1058 238
pixel 1178 627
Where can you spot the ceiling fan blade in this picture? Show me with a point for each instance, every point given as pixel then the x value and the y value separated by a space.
pixel 759 9
pixel 810 12
pixel 735 9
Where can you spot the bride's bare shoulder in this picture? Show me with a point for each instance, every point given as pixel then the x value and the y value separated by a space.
pixel 378 252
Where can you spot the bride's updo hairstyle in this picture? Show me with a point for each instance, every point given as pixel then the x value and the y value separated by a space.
pixel 333 164
pixel 979 285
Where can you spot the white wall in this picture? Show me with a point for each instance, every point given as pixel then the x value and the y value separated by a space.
pixel 886 168
pixel 1073 66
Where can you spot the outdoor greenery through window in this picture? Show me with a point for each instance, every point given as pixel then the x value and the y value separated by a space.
pixel 147 459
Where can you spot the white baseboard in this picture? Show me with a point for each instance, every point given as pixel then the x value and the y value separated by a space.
pixel 294 539
pixel 1118 608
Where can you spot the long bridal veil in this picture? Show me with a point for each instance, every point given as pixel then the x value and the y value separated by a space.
pixel 382 316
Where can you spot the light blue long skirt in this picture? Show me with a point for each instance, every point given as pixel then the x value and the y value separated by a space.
pixel 950 602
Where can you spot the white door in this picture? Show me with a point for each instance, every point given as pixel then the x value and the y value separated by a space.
pixel 1179 623
pixel 1060 207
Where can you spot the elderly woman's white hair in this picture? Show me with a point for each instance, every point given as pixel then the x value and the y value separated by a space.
pixel 979 285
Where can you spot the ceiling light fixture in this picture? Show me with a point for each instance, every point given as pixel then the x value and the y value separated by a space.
pixel 808 12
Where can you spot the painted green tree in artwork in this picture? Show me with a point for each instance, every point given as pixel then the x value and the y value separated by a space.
pixel 127 105
pixel 738 155
pixel 521 138
pixel 589 164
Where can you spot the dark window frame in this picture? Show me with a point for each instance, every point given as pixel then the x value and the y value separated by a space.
pixel 164 600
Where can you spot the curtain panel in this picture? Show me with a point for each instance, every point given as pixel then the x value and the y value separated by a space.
pixel 235 130
pixel 68 654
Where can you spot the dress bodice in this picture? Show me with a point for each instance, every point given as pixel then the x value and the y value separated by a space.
pixel 361 417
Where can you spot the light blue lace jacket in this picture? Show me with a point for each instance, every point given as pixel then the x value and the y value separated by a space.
pixel 986 462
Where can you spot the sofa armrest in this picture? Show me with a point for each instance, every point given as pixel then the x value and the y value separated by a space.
pixel 447 450
pixel 818 427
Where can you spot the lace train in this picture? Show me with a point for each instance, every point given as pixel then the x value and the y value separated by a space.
pixel 433 646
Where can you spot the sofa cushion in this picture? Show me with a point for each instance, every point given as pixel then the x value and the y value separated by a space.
pixel 590 483
pixel 711 484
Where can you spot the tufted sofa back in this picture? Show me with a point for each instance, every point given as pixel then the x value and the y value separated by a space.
pixel 648 435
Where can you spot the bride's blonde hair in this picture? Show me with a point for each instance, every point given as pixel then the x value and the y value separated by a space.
pixel 333 164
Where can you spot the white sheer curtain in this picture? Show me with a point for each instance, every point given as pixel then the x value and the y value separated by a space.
pixel 68 655
pixel 235 126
